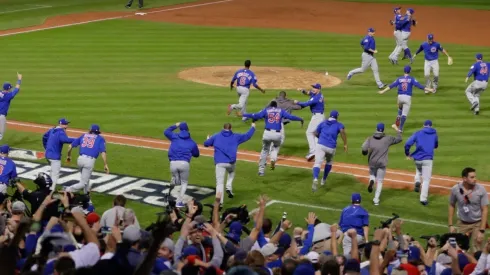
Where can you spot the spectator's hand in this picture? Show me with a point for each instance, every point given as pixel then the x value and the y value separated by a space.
pixel 311 218
pixel 379 234
pixel 390 255
pixel 417 244
pixel 173 216
pixel 49 199
pixel 263 199
pixel 96 227
pixel 9 205
pixel 352 233
pixel 398 226
pixel 333 228
pixel 286 224
pixel 445 247
pixel 480 237
pixel 217 199
pixel 19 76
pixel 64 200
pixel 452 229
pixel 231 217
pixel 451 251
pixel 111 244
pixel 191 208
pixel 210 229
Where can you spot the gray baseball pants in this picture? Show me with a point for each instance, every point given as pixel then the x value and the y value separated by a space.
pixel 347 243
pixel 3 125
pixel 180 176
pixel 55 171
pixel 243 94
pixel 377 174
pixel 270 138
pixel 316 119
pixel 86 167
pixel 423 168
pixel 398 40
pixel 474 91
pixel 432 65
pixel 283 137
pixel 368 61
pixel 406 102
pixel 222 170
pixel 321 153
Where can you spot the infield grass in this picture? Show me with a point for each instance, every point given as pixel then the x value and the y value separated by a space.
pixel 125 78
pixel 466 4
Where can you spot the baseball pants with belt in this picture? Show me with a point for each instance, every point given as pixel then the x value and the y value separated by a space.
pixel 223 170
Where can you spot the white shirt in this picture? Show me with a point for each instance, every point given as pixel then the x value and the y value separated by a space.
pixel 109 216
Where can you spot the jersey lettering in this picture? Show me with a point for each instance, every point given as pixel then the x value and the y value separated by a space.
pixel 88 142
pixel 273 117
pixel 242 80
pixel 1 169
pixel 483 70
pixel 404 86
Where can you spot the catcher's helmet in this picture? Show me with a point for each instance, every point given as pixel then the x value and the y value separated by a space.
pixel 43 180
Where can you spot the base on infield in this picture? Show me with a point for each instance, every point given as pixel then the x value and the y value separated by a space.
pixel 269 77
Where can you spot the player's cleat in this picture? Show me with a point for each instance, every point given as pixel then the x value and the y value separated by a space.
pixel 424 203
pixel 322 183
pixel 382 86
pixel 261 174
pixel 404 57
pixel 310 157
pixel 127 7
pixel 396 128
pixel 474 105
pixel 417 187
pixel 273 165
pixel 180 205
pixel 393 62
pixel 349 76
pixel 411 60
pixel 314 186
pixel 376 203
pixel 228 111
pixel 230 194
pixel 397 121
pixel 370 187
pixel 477 113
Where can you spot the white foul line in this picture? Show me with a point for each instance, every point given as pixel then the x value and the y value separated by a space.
pixel 340 210
pixel 112 18
pixel 36 7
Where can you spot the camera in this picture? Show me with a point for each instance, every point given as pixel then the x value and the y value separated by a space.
pixel 387 223
pixel 14 181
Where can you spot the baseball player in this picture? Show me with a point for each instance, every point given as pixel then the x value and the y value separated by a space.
pixel 287 105
pixel 398 35
pixel 6 97
pixel 405 85
pixel 405 24
pixel 327 133
pixel 244 78
pixel 8 170
pixel 431 51
pixel 225 145
pixel 376 148
pixel 273 117
pixel 182 149
pixel 426 141
pixel 317 107
pixel 53 141
pixel 140 4
pixel 91 145
pixel 368 45
pixel 479 71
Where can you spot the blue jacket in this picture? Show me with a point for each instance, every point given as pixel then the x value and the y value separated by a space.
pixel 53 141
pixel 426 141
pixel 226 144
pixel 182 147
pixel 354 216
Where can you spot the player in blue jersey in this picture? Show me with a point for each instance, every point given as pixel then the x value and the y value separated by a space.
pixel 405 25
pixel 273 117
pixel 8 170
pixel 6 97
pixel 368 45
pixel 244 78
pixel 327 133
pixel 479 71
pixel 398 35
pixel 431 50
pixel 53 141
pixel 92 144
pixel 405 85
pixel 317 107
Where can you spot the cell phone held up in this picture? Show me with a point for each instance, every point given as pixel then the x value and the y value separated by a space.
pixel 57 196
pixel 452 242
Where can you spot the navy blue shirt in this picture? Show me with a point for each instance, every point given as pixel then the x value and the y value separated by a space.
pixel 328 132
pixel 479 71
pixel 354 217
pixel 5 98
pixel 405 85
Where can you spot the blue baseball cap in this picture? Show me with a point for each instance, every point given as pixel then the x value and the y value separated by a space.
pixel 7 86
pixel 407 69
pixel 428 123
pixel 183 126
pixel 371 30
pixel 235 231
pixel 356 198
pixel 317 86
pixel 190 250
pixel 411 10
pixel 94 128
pixel 396 9
pixel 63 121
pixel 430 36
pixel 334 114
pixel 4 149
pixel 479 56
pixel 380 127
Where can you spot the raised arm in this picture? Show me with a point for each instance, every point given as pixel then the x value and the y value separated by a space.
pixel 169 132
pixel 209 141
pixel 391 86
pixel 289 116
pixel 256 116
pixel 247 136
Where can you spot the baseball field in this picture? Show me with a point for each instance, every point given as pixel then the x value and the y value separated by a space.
pixel 136 74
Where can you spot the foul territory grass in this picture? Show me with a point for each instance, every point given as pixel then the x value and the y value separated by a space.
pixel 469 4
pixel 285 184
pixel 123 75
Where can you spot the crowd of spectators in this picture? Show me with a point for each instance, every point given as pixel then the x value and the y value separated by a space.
pixel 185 241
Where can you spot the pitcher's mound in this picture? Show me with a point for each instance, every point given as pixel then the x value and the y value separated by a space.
pixel 268 77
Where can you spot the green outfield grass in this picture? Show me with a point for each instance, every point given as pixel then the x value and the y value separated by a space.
pixel 467 4
pixel 25 13
pixel 125 78
pixel 285 184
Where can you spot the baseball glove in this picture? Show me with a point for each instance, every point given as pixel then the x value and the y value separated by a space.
pixel 450 61
pixel 414 23
pixel 391 22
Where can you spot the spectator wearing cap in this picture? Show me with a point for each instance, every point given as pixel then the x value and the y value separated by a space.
pixel 9 171
pixel 18 208
pixel 132 237
pixel 116 213
pixel 304 269
pixel 471 201
pixel 355 217
pixel 317 108
pixel 426 141
pixel 284 240
pixel 53 141
pixel 327 133
pixel 352 267
pixel 92 218
pixel 322 237
pixel 92 144
pixel 6 97
pixel 165 256
pixel 376 148
pixel 272 254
